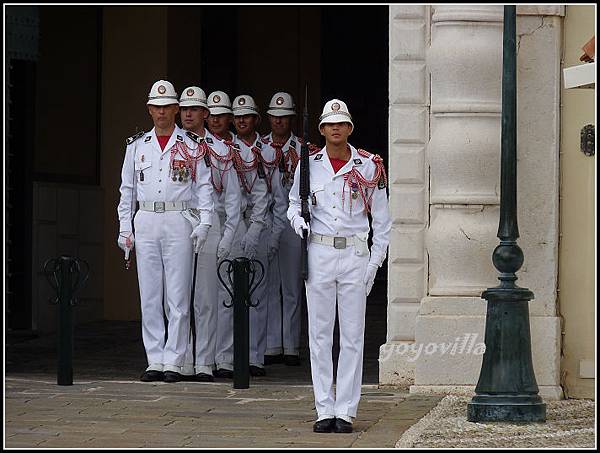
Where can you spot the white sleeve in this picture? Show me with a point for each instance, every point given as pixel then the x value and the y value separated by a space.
pixel 233 200
pixel 381 224
pixel 126 206
pixel 202 193
pixel 294 208
pixel 280 205
pixel 259 197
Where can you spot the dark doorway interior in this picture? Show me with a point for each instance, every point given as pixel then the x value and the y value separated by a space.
pixel 18 205
pixel 354 68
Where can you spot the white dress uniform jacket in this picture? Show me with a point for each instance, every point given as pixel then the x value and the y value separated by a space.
pixel 337 273
pixel 162 239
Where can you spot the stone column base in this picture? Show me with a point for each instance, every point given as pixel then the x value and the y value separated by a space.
pixel 397 364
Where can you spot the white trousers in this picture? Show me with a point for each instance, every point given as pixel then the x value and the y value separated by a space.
pixel 336 274
pixel 163 244
pixel 284 309
pixel 205 304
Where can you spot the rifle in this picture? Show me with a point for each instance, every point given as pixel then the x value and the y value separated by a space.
pixel 304 187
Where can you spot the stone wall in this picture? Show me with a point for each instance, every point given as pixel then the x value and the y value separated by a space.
pixel 462 165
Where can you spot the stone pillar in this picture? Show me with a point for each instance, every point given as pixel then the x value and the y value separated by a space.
pixel 408 135
pixel 465 62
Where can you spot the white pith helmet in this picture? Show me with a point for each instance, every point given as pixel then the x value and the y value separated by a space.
pixel 193 97
pixel 335 111
pixel 162 93
pixel 244 105
pixel 218 103
pixel 282 104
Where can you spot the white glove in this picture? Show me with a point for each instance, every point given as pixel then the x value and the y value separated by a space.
pixel 369 278
pixel 224 248
pixel 199 236
pixel 299 225
pixel 250 241
pixel 126 240
pixel 273 247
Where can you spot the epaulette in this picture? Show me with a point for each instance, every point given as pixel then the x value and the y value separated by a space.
pixel 375 157
pixel 364 153
pixel 194 136
pixel 133 138
pixel 313 149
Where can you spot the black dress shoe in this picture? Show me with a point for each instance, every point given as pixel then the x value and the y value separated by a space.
pixel 324 426
pixel 172 376
pixel 204 377
pixel 151 376
pixel 188 377
pixel 257 371
pixel 223 373
pixel 271 359
pixel 342 426
pixel 291 360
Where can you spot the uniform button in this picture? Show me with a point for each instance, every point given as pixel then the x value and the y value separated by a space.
pixel 160 169
pixel 159 192
pixel 333 219
pixel 161 158
pixel 333 207
pixel 160 180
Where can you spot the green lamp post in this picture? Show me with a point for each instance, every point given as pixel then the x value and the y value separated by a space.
pixel 507 389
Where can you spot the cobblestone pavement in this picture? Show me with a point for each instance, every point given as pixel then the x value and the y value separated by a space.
pixel 122 414
pixel 107 406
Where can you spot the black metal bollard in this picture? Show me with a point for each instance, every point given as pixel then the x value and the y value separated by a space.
pixel 62 270
pixel 244 275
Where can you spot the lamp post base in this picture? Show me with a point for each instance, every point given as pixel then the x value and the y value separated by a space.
pixel 506 408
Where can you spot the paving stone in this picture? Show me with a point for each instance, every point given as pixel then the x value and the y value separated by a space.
pixel 108 407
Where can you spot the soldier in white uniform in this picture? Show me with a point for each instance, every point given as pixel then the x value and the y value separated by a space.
pixel 226 198
pixel 162 171
pixel 260 180
pixel 284 314
pixel 345 185
pixel 219 123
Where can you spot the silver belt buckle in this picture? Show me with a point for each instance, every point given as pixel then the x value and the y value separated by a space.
pixel 339 242
pixel 159 206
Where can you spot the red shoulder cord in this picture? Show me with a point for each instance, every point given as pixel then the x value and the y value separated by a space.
pixel 227 162
pixel 359 183
pixel 269 165
pixel 243 166
pixel 191 156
